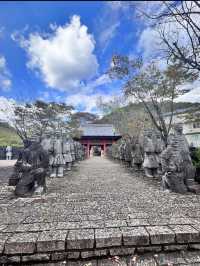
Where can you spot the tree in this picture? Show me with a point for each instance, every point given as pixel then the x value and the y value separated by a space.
pixel 151 86
pixel 178 23
pixel 126 119
pixel 40 116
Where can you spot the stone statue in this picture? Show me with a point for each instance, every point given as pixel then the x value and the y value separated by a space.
pixel 72 149
pixel 8 153
pixel 57 161
pixel 176 163
pixel 137 157
pixel 127 151
pixel 32 165
pixel 159 147
pixel 67 153
pixel 150 163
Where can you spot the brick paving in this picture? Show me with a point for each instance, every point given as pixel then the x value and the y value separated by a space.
pixel 99 210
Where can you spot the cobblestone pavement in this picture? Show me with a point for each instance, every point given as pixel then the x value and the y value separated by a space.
pixel 99 209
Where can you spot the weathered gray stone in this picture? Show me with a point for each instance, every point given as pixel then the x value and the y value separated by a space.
pixel 121 251
pixel 36 257
pixel 5 260
pixel 115 223
pixel 73 254
pixel 80 239
pixel 160 234
pixel 175 247
pixel 108 237
pixel 111 262
pixel 52 241
pixel 142 250
pixel 192 256
pixel 94 253
pixel 137 222
pixel 135 236
pixel 3 238
pixel 185 233
pixel 57 256
pixel 81 263
pixel 144 260
pixel 194 246
pixel 173 258
pixel 21 243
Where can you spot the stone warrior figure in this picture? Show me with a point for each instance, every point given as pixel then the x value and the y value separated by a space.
pixel 177 163
pixel 67 153
pixel 150 163
pixel 8 153
pixel 57 160
pixel 127 151
pixel 159 147
pixel 32 167
pixel 73 152
pixel 137 157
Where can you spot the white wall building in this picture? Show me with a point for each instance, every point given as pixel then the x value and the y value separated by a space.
pixel 190 119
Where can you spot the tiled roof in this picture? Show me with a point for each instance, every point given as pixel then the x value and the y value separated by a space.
pixel 99 130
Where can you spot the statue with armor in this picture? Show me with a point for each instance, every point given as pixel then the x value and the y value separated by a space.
pixel 176 163
pixel 150 163
pixel 189 169
pixel 173 167
pixel 33 165
pixel 137 157
pixel 67 153
pixel 73 152
pixel 57 161
pixel 159 147
pixel 121 149
pixel 127 151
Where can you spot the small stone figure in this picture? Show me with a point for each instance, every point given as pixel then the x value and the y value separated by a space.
pixel 57 160
pixel 127 151
pixel 159 147
pixel 8 153
pixel 33 164
pixel 67 153
pixel 137 158
pixel 73 154
pixel 150 163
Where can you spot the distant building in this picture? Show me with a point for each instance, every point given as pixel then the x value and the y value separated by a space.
pixel 101 135
pixel 190 119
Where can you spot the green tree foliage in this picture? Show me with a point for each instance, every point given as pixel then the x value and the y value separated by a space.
pixel 147 84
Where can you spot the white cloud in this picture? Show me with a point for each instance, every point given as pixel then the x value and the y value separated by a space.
pixel 87 102
pixel 5 76
pixel 6 109
pixel 108 34
pixel 63 58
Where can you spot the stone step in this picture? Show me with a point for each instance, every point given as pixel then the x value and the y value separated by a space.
pixel 56 245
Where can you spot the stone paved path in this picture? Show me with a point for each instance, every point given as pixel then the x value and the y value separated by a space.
pixel 98 209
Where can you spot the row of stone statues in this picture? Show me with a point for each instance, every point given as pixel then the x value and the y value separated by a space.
pixel 50 155
pixel 171 162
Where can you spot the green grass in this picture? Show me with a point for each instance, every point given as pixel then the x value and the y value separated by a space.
pixel 9 137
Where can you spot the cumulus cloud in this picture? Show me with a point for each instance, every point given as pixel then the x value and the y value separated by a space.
pixel 6 110
pixel 63 58
pixel 87 102
pixel 5 76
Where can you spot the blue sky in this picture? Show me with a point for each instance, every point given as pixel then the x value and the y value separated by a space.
pixel 60 51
